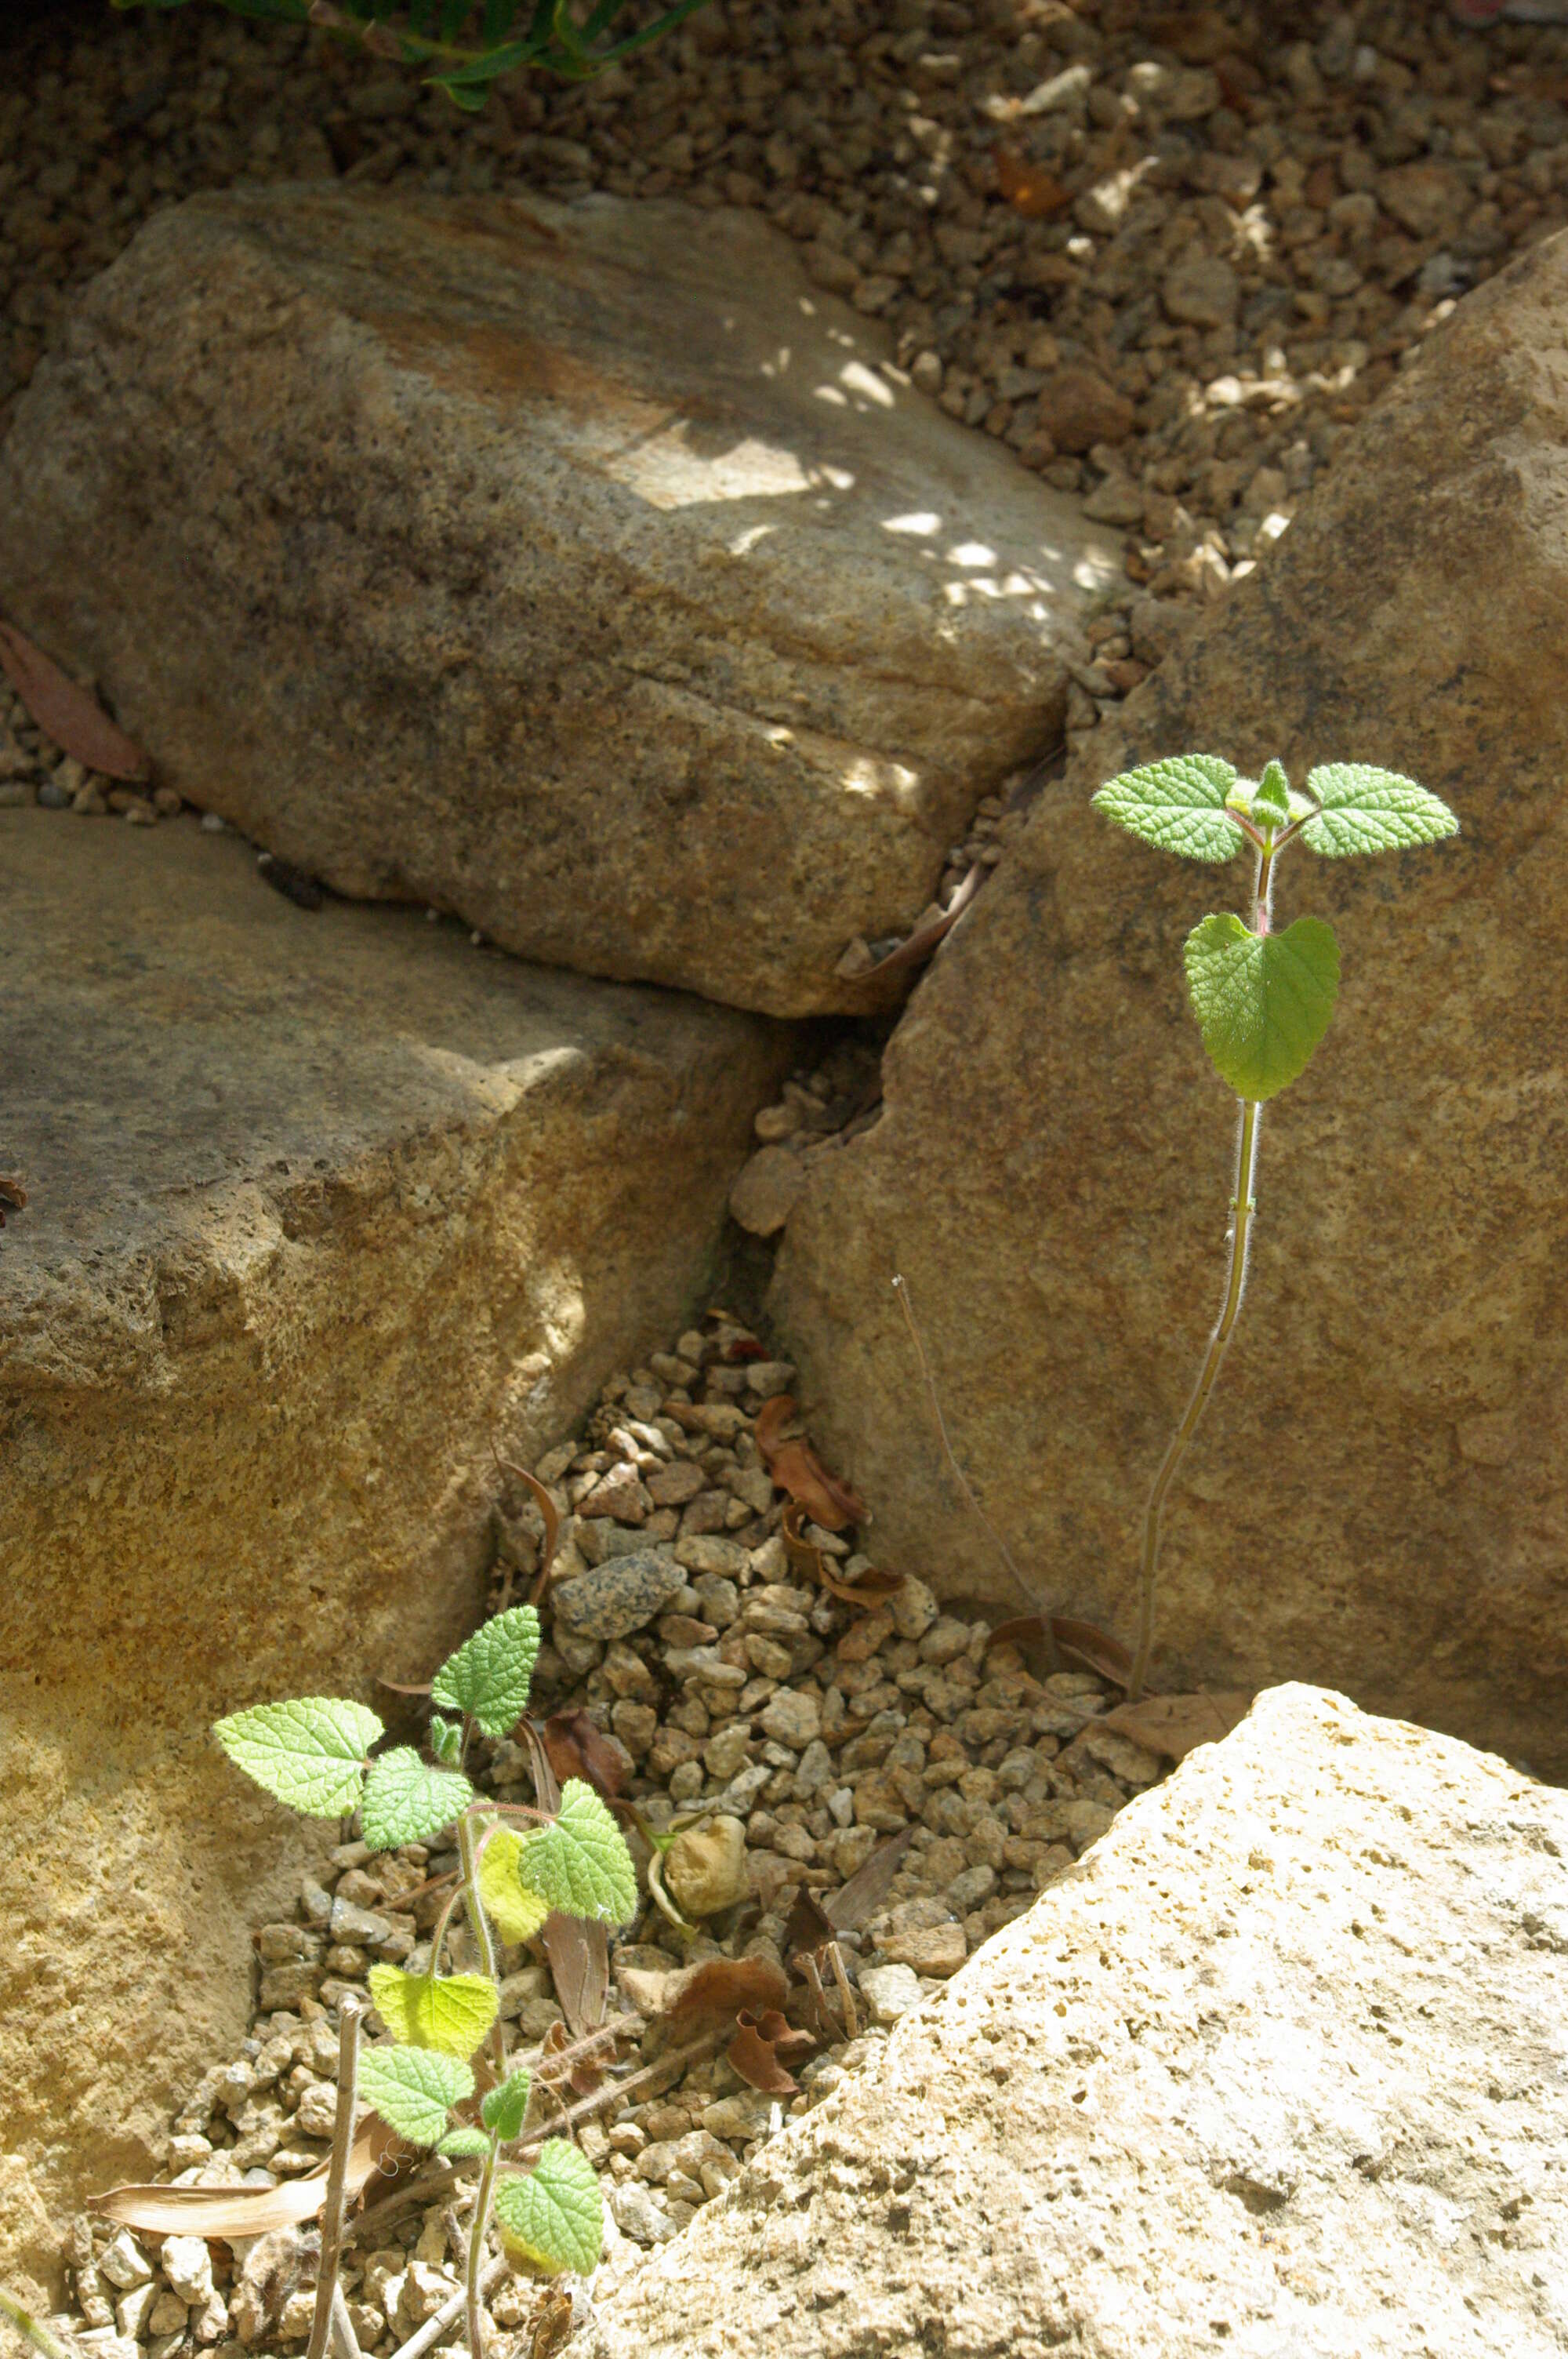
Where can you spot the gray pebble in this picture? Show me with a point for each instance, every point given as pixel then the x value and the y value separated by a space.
pixel 624 1595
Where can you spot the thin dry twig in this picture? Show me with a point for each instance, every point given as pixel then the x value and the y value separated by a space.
pixel 350 2015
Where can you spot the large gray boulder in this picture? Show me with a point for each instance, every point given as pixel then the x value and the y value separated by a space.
pixel 1377 1497
pixel 581 570
pixel 1276 2071
pixel 325 1208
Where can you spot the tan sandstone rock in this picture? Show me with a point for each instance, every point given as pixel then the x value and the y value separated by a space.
pixel 581 570
pixel 1376 1498
pixel 1277 2069
pixel 322 1206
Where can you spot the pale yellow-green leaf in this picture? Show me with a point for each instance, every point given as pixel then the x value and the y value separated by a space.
pixel 449 2012
pixel 516 1912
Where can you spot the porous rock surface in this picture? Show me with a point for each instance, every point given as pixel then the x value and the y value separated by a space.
pixel 323 1206
pixel 1278 2067
pixel 579 570
pixel 1375 1498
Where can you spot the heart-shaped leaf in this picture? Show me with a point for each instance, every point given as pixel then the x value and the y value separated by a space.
pixel 1367 809
pixel 491 1673
pixel 1177 805
pixel 1263 1000
pixel 310 1752
pixel 407 1802
pixel 581 1864
pixel 555 2216
pixel 450 2013
pixel 414 2089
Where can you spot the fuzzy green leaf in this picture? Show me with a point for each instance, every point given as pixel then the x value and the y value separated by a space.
pixel 414 2089
pixel 491 1673
pixel 1263 1001
pixel 448 2013
pixel 581 1864
pixel 503 2110
pixel 1271 799
pixel 407 1802
pixel 461 2142
pixel 555 2217
pixel 309 1753
pixel 1367 810
pixel 1177 805
pixel 516 1912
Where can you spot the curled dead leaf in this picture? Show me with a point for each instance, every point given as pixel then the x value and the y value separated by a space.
pixel 13 1197
pixel 759 2050
pixel 75 721
pixel 1079 1643
pixel 578 1948
pixel 865 1593
pixel 710 1992
pixel 1178 1724
pixel 230 2212
pixel 549 1514
pixel 562 2058
pixel 578 1748
pixel 796 1468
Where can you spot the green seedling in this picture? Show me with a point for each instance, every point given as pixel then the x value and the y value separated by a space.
pixel 1262 999
pixel 468 44
pixel 316 1754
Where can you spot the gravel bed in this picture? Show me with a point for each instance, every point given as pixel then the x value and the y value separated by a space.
pixel 804 1731
pixel 1168 258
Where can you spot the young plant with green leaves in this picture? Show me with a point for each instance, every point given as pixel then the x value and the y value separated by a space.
pixel 515 1865
pixel 1262 999
pixel 469 43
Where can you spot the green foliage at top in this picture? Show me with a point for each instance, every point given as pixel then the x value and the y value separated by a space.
pixel 490 1675
pixel 555 2216
pixel 581 1864
pixel 469 43
pixel 1263 1000
pixel 1366 810
pixel 310 1753
pixel 1177 806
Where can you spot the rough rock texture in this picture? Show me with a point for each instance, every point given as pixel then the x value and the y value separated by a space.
pixel 1376 1498
pixel 322 1206
pixel 1277 2069
pixel 576 569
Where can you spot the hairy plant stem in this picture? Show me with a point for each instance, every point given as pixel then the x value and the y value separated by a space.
pixel 479 2228
pixel 1244 1204
pixel 349 2016
pixel 33 2330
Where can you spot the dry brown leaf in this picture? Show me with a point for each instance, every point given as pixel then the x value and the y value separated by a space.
pixel 577 1747
pixel 404 1686
pixel 231 2212
pixel 918 946
pixel 760 2047
pixel 796 1468
pixel 578 1950
pixel 855 1901
pixel 583 2073
pixel 75 721
pixel 550 1516
pixel 1027 187
pixel 808 1926
pixel 757 2062
pixel 867 1593
pixel 13 1198
pixel 1080 1642
pixel 550 2327
pixel 1178 1724
pixel 709 1991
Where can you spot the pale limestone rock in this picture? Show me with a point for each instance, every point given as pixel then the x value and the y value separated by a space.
pixel 1277 2069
